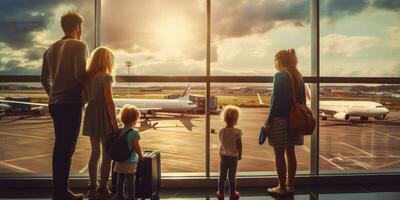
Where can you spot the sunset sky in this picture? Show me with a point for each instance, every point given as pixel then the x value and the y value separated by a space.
pixel 167 37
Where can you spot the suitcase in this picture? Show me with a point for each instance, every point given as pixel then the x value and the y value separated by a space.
pixel 148 176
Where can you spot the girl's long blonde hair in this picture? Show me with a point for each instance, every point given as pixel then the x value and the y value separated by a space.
pixel 287 61
pixel 102 60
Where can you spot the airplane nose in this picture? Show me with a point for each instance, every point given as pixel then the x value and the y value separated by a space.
pixel 386 110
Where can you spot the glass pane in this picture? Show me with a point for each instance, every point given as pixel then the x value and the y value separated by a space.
pixel 247 34
pixel 255 158
pixel 359 37
pixel 359 128
pixel 178 135
pixel 28 29
pixel 27 131
pixel 157 37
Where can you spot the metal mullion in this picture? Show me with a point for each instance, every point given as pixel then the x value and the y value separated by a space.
pixel 207 107
pixel 97 19
pixel 315 72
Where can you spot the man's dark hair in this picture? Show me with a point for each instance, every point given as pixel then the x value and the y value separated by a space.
pixel 70 20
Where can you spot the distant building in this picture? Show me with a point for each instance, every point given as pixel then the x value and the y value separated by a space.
pixel 151 89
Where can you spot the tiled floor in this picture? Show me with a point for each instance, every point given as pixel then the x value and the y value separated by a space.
pixel 360 192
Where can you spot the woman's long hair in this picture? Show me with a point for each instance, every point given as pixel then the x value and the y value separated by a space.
pixel 102 60
pixel 287 61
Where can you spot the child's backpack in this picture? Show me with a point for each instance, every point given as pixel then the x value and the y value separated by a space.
pixel 117 146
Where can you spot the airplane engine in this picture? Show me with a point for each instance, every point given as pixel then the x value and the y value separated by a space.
pixel 342 116
pixel 382 117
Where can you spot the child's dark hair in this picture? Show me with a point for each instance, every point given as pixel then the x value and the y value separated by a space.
pixel 230 115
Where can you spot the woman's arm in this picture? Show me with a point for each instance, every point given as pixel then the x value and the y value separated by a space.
pixel 110 104
pixel 138 150
pixel 239 146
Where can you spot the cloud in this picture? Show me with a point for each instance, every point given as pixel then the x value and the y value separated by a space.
pixel 240 18
pixel 15 67
pixel 393 5
pixel 343 44
pixel 393 36
pixel 18 19
pixel 335 9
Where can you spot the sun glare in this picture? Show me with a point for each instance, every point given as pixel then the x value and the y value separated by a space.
pixel 172 34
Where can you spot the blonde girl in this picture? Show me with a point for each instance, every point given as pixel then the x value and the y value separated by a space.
pixel 100 118
pixel 230 151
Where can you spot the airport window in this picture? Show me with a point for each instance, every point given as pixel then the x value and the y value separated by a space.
pixel 364 135
pixel 177 131
pixel 26 131
pixel 156 37
pixel 359 38
pixel 29 28
pixel 245 35
pixel 253 113
pixel 163 50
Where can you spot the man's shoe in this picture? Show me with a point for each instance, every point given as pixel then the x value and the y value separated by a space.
pixel 67 196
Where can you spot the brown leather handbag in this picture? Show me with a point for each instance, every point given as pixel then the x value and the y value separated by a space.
pixel 301 119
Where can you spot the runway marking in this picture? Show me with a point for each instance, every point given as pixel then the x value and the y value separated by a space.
pixel 174 195
pixel 359 163
pixel 27 157
pixel 388 164
pixel 326 159
pixel 25 136
pixel 388 135
pixel 258 158
pixel 16 167
pixel 389 156
pixel 84 168
pixel 351 146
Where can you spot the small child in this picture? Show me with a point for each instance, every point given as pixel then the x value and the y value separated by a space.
pixel 126 170
pixel 230 151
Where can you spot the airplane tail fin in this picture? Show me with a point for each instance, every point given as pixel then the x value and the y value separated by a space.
pixel 260 101
pixel 308 95
pixel 186 93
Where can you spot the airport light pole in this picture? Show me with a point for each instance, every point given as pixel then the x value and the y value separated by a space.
pixel 129 64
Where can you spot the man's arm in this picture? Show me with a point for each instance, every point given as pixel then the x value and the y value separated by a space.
pixel 45 74
pixel 80 63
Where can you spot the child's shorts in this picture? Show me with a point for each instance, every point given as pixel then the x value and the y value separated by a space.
pixel 125 167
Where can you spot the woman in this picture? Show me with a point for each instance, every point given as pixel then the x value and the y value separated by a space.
pixel 279 137
pixel 100 119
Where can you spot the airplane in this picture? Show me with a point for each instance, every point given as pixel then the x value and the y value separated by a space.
pixel 9 105
pixel 146 106
pixel 150 106
pixel 344 110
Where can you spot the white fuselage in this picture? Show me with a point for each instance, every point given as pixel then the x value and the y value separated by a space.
pixel 354 108
pixel 159 105
pixel 4 107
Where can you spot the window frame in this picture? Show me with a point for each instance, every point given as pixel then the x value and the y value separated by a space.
pixel 208 79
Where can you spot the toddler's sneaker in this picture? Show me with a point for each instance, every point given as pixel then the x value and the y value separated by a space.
pixel 220 196
pixel 235 196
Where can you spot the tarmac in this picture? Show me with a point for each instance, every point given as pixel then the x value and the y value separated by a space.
pixel 27 141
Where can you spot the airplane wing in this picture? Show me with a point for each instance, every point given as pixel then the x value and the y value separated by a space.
pixel 22 102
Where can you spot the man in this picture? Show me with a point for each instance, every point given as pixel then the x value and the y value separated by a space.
pixel 63 76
